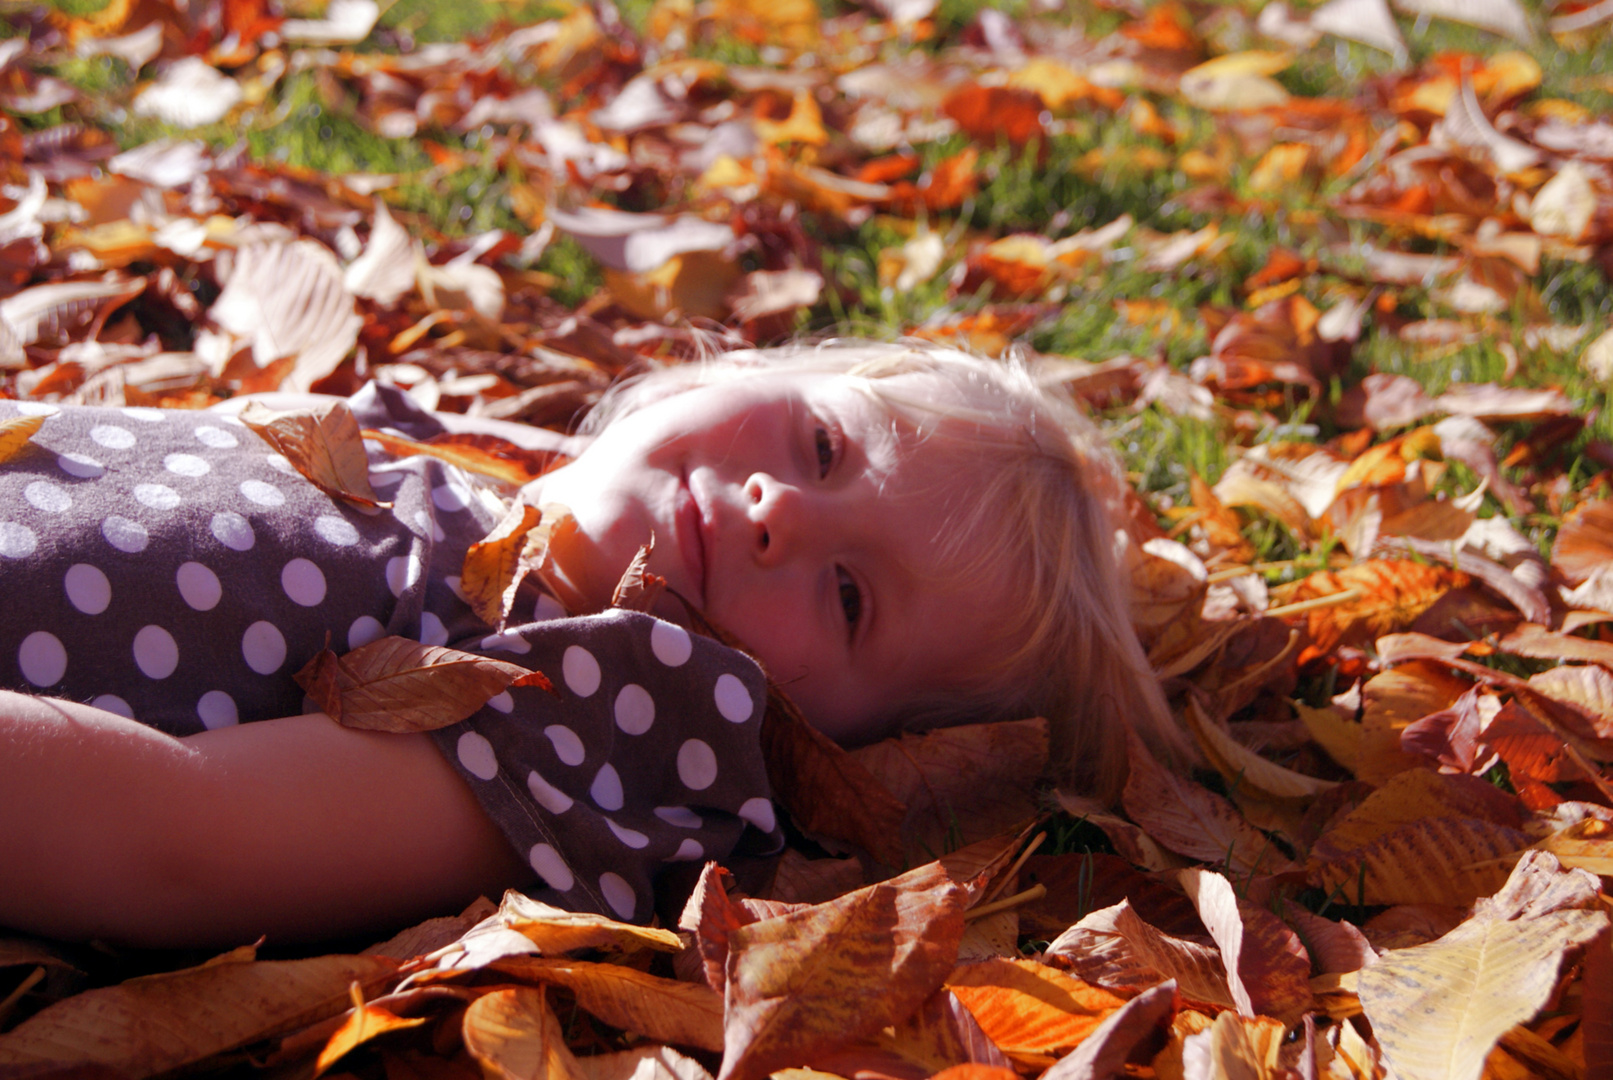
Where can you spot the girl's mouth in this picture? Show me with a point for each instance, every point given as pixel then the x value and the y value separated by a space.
pixel 689 528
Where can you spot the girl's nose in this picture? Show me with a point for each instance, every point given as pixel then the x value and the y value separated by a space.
pixel 775 510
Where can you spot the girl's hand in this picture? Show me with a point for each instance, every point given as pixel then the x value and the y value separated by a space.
pixel 295 828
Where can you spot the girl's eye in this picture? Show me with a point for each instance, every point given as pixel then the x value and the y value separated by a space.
pixel 851 600
pixel 826 443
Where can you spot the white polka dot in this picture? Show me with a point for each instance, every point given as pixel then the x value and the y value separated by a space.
pixel 186 465
pixel 450 496
pixel 303 582
pixel 567 747
pixel 697 765
pixel 365 629
pixel 432 631
pixel 631 837
pixel 156 496
pixel 618 894
pixel 156 653
pixel 456 586
pixel 46 496
pixel 502 701
pixel 217 438
pixel 688 851
pixel 551 867
pixel 264 647
pixel 509 641
pixel 261 493
pixel 113 704
pixel 42 658
pixel 681 816
pixel 198 586
pixel 733 700
pixel 125 535
pixel 112 437
pixel 385 478
pixel 759 812
pixel 17 541
pixel 144 415
pixel 80 465
pixel 36 408
pixel 670 643
pixel 217 709
pixel 581 671
pixel 476 754
pixel 88 590
pixel 335 530
pixel 233 531
pixel 606 790
pixel 280 464
pixel 547 608
pixel 635 709
pixel 547 795
pixel 402 571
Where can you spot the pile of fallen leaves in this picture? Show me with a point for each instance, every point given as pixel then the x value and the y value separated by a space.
pixel 1387 861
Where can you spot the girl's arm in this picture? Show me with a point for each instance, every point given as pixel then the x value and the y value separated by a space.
pixel 296 828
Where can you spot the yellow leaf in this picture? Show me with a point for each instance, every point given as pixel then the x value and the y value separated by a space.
pixel 555 931
pixel 1339 735
pixel 364 1023
pixel 15 433
pixel 523 543
pixel 1245 770
pixel 513 1035
pixel 803 125
pixel 1443 860
pixel 1281 166
pixel 1251 62
pixel 322 443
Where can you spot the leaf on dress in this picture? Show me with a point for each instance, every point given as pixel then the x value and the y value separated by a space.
pixel 323 443
pixel 16 433
pixel 398 685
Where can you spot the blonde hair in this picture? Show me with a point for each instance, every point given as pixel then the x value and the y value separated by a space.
pixel 1040 483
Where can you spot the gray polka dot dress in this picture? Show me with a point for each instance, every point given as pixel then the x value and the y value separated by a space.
pixel 169 566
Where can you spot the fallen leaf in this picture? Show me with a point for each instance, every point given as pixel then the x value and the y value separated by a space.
pixel 398 685
pixel 1028 1009
pixel 16 433
pixel 323 443
pixel 287 301
pixel 1267 968
pixel 660 1009
pixel 513 1035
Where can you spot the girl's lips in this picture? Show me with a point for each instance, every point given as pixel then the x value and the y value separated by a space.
pixel 689 527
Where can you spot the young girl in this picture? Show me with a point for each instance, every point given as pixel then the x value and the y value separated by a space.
pixel 901 537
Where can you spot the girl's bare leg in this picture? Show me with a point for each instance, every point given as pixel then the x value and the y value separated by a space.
pixel 295 828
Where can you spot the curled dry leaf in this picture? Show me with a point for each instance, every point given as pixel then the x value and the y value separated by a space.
pixel 639 589
pixel 288 301
pixel 1584 544
pixel 1116 948
pixel 1104 1053
pixel 16 433
pixel 1244 769
pixel 485 455
pixel 527 540
pixel 366 1021
pixel 160 1023
pixel 323 443
pixel 398 685
pixel 641 1063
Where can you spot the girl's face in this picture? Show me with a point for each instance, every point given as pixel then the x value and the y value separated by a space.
pixel 795 512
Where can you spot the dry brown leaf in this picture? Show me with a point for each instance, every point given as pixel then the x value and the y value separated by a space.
pixel 638 590
pixel 323 444
pixel 527 540
pixel 1584 544
pixel 485 455
pixel 1393 595
pixel 1442 860
pixel 556 931
pixel 159 1023
pixel 1245 770
pixel 1193 821
pixel 398 685
pixel 287 301
pixel 960 784
pixel 642 1063
pixel 1268 971
pixel 366 1021
pixel 814 979
pixel 1115 948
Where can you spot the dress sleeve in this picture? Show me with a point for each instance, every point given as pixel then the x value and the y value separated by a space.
pixel 648 752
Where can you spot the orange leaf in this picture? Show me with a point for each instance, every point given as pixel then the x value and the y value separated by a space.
pixel 1030 1009
pixel 1443 860
pixel 1393 594
pixel 15 433
pixel 363 1023
pixel 399 685
pixel 524 542
pixel 990 114
pixel 486 455
pixel 661 1009
pixel 322 443
pixel 1584 544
